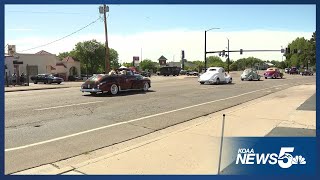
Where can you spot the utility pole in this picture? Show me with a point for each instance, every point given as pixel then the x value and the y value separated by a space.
pixel 107 63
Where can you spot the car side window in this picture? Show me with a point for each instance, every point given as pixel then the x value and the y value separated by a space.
pixel 222 70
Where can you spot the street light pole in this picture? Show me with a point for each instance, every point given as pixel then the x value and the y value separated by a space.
pixel 228 56
pixel 205 47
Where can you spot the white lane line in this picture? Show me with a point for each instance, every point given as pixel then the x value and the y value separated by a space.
pixel 55 107
pixel 134 120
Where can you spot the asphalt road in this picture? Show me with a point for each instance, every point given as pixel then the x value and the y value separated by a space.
pixel 45 126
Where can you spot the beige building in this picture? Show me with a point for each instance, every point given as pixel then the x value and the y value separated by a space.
pixel 41 63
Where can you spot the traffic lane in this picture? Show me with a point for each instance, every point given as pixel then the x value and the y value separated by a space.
pixel 56 97
pixel 103 115
pixel 27 111
pixel 50 152
pixel 190 90
pixel 122 108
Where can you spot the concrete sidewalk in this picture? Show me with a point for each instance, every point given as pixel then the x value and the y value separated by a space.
pixel 193 147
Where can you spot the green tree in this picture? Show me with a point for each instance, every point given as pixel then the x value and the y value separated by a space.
pixel 91 55
pixel 147 64
pixel 215 61
pixel 305 51
pixel 127 64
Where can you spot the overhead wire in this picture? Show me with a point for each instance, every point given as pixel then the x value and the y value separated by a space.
pixel 62 37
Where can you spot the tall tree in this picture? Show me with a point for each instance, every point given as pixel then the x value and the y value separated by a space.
pixel 147 64
pixel 92 56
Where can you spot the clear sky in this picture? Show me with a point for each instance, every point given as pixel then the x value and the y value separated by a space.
pixel 160 29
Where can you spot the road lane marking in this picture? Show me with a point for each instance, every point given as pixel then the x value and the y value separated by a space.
pixel 55 107
pixel 134 120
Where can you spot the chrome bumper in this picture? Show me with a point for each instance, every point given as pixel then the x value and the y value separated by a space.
pixel 91 90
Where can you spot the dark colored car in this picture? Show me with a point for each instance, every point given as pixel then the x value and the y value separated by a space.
pixel 294 70
pixel 46 79
pixel 183 72
pixel 273 73
pixel 307 73
pixel 145 74
pixel 74 78
pixel 124 81
pixel 167 71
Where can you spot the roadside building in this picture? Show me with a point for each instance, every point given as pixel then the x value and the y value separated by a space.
pixel 41 62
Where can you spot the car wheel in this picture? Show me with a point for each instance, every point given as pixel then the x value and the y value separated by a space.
pixel 230 81
pixel 93 93
pixel 35 82
pixel 114 89
pixel 241 79
pixel 265 77
pixel 59 82
pixel 201 82
pixel 145 86
pixel 218 81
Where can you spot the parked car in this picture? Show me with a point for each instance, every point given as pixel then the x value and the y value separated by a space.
pixel 145 74
pixel 273 73
pixel 294 70
pixel 287 70
pixel 307 72
pixel 46 79
pixel 113 84
pixel 192 73
pixel 74 78
pixel 167 71
pixel 215 75
pixel 183 72
pixel 250 74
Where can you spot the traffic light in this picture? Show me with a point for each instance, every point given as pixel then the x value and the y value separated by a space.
pixel 241 51
pixel 182 53
pixel 295 51
pixel 288 50
pixel 219 53
pixel 223 52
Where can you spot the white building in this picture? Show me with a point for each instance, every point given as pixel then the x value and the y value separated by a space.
pixel 41 63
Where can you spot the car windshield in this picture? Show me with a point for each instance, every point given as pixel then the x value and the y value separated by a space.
pixel 212 69
pixel 95 77
pixel 247 71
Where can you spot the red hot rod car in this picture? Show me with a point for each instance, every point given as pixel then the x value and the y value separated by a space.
pixel 121 80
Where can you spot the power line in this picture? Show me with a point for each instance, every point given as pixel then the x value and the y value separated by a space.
pixel 63 37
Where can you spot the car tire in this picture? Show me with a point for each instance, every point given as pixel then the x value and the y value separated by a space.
pixel 145 87
pixel 93 93
pixel 218 81
pixel 35 82
pixel 201 82
pixel 241 79
pixel 114 89
pixel 230 81
pixel 59 82
pixel 265 77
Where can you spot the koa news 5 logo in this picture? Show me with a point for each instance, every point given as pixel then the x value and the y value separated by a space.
pixel 284 159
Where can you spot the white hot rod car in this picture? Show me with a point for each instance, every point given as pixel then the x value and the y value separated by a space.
pixel 215 75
